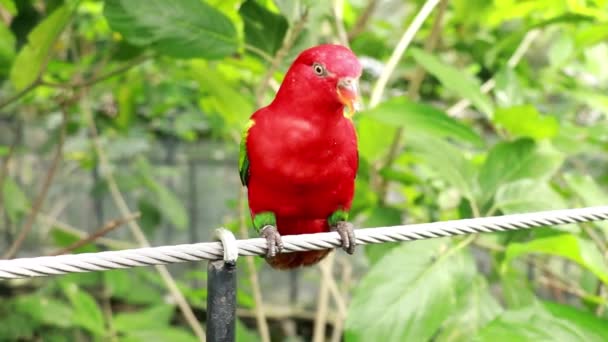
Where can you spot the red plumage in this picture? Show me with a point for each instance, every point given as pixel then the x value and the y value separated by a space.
pixel 302 150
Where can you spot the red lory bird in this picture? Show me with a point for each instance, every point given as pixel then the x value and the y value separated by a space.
pixel 299 156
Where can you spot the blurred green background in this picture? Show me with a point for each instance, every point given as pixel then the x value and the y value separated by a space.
pixel 122 118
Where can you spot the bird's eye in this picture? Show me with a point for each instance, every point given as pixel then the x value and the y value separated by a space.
pixel 319 69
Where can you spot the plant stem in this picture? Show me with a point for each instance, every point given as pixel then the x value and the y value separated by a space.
pixel 108 227
pixel 253 277
pixel 413 90
pixel 39 201
pixel 19 94
pixel 136 230
pixel 99 78
pixel 290 38
pixel 363 20
pixel 64 227
pixel 323 300
pixel 4 169
pixel 521 50
pixel 338 9
pixel 399 50
pixel 347 271
pixel 259 52
pixel 37 80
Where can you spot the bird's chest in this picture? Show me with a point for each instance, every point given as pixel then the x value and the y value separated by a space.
pixel 301 154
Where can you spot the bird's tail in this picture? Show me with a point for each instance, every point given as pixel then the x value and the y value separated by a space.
pixel 285 261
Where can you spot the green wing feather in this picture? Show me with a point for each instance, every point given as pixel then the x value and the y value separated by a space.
pixel 243 157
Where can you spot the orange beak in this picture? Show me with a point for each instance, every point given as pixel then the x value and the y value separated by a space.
pixel 348 94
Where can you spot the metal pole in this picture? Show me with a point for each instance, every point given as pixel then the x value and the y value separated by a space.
pixel 221 301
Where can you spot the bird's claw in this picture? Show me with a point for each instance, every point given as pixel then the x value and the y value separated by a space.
pixel 273 240
pixel 347 235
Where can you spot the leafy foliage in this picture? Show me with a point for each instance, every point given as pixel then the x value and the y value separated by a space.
pixel 186 30
pixel 163 89
pixel 426 280
pixel 31 59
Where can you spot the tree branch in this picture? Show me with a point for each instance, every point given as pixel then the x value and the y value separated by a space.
pixel 20 94
pixel 362 20
pixel 323 300
pixel 31 218
pixel 259 52
pixel 399 50
pixel 338 9
pixel 4 170
pixel 136 230
pixel 290 38
pixel 99 78
pixel 521 50
pixel 260 316
pixel 37 81
pixel 413 93
pixel 108 227
pixel 64 227
pixel 347 271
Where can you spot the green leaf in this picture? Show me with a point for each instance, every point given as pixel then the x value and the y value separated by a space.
pixel 561 50
pixel 422 119
pixel 591 35
pixel 125 93
pixel 263 29
pixel 476 306
pixel 7 50
pixel 526 195
pixel 221 96
pixel 44 310
pixel 4 150
pixel 573 139
pixel 409 293
pixel 86 311
pixel 151 216
pixel 30 60
pixel 509 89
pixel 594 326
pixel 568 246
pixel 516 290
pixel 120 284
pixel 455 80
pixel 381 216
pixel 374 138
pixel 245 335
pixel 181 29
pixel 511 161
pixel 534 324
pixel 526 121
pixel 63 238
pixel 17 327
pixel 586 189
pixel 447 162
pixel 56 313
pixel 117 282
pixel 156 317
pixel 160 335
pixel 167 203
pixel 594 99
pixel 15 202
pixel 9 6
pixel 401 176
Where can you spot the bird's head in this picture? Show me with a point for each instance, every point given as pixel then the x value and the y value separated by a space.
pixel 324 75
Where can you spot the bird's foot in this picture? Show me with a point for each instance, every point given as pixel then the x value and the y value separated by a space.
pixel 347 234
pixel 273 240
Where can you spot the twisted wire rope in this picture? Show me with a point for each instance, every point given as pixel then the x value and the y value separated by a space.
pixel 90 262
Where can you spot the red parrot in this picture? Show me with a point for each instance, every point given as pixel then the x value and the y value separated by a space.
pixel 299 156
